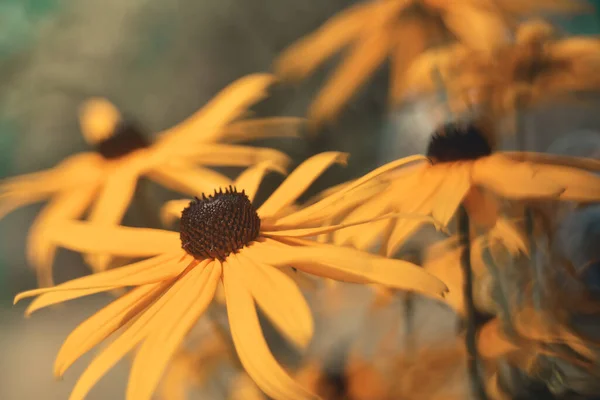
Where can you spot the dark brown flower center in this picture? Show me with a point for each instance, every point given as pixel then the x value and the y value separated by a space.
pixel 126 138
pixel 218 225
pixel 455 142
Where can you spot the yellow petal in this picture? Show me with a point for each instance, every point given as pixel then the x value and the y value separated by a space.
pixel 139 273
pixel 232 155
pixel 580 186
pixel 110 207
pixel 315 211
pixel 482 207
pixel 119 241
pixel 513 180
pixel 347 264
pixel 98 118
pixel 250 179
pixel 207 124
pixel 141 327
pixel 491 343
pixel 250 344
pixel 401 231
pixel 104 322
pixel 60 296
pixel 263 128
pixel 40 250
pixel 189 179
pixel 451 192
pixel 411 41
pixel 171 210
pixel 307 54
pixel 26 189
pixel 479 29
pixel 299 180
pixel 162 343
pixel 362 61
pixel 278 296
pixel 590 164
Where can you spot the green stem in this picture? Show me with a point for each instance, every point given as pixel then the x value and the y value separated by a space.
pixel 477 385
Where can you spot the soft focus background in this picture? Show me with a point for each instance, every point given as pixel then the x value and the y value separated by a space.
pixel 158 61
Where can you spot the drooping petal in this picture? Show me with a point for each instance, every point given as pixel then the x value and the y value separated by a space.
pixel 110 207
pixel 189 179
pixel 400 232
pixel 139 273
pixel 451 192
pixel 171 210
pixel 580 186
pixel 105 322
pixel 304 56
pixel 299 180
pixel 139 329
pixel 278 296
pixel 482 207
pixel 315 211
pixel 513 180
pixel 40 250
pixel 251 346
pixel 206 124
pixel 347 264
pixel 232 155
pixel 249 180
pixel 118 241
pixel 162 343
pixel 263 128
pixel 361 62
pixel 479 29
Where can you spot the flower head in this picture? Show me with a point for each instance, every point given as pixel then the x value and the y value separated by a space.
pixel 402 30
pixel 223 240
pixel 462 170
pixel 104 181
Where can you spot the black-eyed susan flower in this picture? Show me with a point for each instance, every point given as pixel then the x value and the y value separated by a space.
pixel 104 180
pixel 400 29
pixel 223 240
pixel 539 66
pixel 462 169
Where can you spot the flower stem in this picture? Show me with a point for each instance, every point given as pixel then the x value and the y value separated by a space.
pixel 477 385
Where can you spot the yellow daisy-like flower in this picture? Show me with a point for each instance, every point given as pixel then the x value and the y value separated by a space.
pixel 539 66
pixel 224 240
pixel 461 169
pixel 401 29
pixel 104 181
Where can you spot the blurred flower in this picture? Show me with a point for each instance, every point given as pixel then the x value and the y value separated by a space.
pixel 222 238
pixel 104 180
pixel 401 29
pixel 539 66
pixel 463 170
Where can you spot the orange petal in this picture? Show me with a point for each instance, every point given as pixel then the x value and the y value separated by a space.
pixel 249 180
pixel 139 273
pixel 307 54
pixel 110 207
pixel 278 296
pixel 119 241
pixel 40 250
pixel 299 180
pixel 190 180
pixel 175 322
pixel 139 329
pixel 251 346
pixel 206 124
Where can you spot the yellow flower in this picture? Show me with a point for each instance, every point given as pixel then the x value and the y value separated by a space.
pixel 401 29
pixel 104 180
pixel 539 66
pixel 461 169
pixel 224 240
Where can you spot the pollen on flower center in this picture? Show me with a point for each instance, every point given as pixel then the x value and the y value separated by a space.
pixel 218 225
pixel 455 142
pixel 126 138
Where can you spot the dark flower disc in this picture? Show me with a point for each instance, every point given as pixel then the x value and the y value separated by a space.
pixel 218 225
pixel 456 142
pixel 126 138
